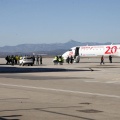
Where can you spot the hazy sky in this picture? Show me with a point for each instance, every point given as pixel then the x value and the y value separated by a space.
pixel 58 21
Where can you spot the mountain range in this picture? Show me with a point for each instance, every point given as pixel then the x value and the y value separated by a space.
pixel 50 49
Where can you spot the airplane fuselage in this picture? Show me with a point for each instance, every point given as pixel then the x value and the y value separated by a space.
pixel 90 51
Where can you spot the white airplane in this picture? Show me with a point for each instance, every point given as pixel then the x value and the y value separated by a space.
pixel 91 51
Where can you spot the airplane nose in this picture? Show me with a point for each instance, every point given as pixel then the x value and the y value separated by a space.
pixel 65 55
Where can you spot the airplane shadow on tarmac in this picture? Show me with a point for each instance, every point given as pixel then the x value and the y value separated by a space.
pixel 28 70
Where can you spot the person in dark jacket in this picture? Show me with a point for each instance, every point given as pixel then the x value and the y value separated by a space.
pixel 68 60
pixel 110 58
pixel 71 59
pixel 102 60
pixel 12 59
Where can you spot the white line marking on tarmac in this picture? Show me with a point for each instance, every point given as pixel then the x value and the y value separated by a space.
pixel 60 90
pixel 108 82
pixel 113 82
pixel 91 81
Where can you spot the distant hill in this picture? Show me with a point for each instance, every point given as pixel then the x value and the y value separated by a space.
pixel 50 49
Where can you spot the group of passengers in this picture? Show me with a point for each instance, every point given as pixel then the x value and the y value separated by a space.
pixel 38 60
pixel 102 59
pixel 14 59
pixel 70 59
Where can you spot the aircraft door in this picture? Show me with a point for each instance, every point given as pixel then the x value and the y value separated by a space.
pixel 77 57
pixel 76 51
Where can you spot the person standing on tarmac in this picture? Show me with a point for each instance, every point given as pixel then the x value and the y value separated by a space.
pixel 102 60
pixel 33 59
pixel 55 60
pixel 110 58
pixel 60 60
pixel 7 59
pixel 12 59
pixel 68 60
pixel 37 60
pixel 40 59
pixel 71 59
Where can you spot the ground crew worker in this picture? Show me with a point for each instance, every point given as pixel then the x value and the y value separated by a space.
pixel 55 60
pixel 16 59
pixel 60 60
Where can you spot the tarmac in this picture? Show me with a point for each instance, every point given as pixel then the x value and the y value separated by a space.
pixel 78 91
